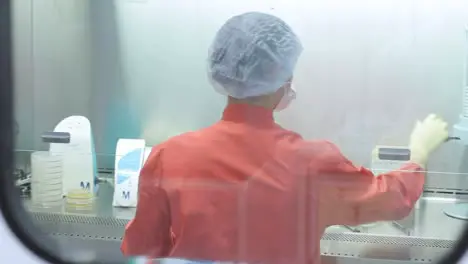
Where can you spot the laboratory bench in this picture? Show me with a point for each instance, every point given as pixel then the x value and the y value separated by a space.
pixel 101 228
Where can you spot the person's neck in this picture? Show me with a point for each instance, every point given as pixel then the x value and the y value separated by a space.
pixel 255 101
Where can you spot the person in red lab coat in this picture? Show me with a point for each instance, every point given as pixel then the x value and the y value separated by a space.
pixel 245 188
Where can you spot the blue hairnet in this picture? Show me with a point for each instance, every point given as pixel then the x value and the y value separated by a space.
pixel 253 54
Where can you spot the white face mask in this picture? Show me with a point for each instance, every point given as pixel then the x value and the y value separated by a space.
pixel 287 98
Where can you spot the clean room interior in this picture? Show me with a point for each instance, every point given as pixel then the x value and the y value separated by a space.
pixel 137 69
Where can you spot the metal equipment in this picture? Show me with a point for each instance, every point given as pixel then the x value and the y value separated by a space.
pixel 388 158
pixel 460 130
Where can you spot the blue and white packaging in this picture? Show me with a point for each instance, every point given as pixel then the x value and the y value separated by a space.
pixel 129 157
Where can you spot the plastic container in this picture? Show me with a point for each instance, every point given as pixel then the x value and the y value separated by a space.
pixel 79 200
pixel 46 179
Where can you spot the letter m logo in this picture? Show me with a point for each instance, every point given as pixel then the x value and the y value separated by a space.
pixel 85 186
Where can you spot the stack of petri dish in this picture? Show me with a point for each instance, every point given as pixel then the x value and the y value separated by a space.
pixel 79 200
pixel 46 179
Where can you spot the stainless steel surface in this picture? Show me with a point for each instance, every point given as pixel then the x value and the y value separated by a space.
pixel 459 211
pixel 434 235
pixel 102 208
pixel 428 219
pixel 455 179
pixel 408 224
pixel 95 251
pixel 384 247
pixel 447 181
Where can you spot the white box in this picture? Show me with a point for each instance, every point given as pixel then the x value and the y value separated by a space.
pixel 129 156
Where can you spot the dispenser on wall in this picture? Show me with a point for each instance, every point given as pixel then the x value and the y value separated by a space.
pixel 79 156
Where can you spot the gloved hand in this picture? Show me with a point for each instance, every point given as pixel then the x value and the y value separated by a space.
pixel 426 137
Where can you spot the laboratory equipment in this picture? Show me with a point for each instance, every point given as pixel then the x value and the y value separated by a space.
pixel 79 157
pixel 385 159
pixel 46 181
pixel 460 131
pixel 129 156
pixel 391 158
pixel 23 182
pixel 22 178
pixel 79 200
pixel 47 172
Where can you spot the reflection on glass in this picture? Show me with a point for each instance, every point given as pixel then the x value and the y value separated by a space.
pixel 132 74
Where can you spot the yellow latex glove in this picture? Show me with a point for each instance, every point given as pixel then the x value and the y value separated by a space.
pixel 426 137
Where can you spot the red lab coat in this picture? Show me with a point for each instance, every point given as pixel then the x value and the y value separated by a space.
pixel 246 189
